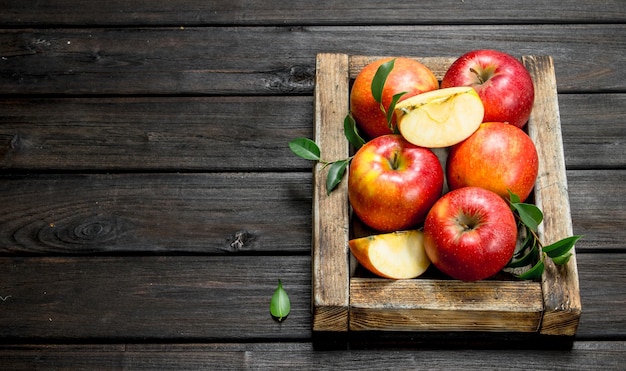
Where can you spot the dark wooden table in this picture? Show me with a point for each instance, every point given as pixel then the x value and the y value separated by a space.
pixel 149 202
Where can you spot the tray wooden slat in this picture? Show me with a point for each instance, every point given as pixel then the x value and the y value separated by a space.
pixel 330 283
pixel 560 284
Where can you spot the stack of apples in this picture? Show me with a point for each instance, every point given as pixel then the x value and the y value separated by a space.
pixel 397 184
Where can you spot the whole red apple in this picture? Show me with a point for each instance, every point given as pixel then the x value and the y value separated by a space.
pixel 470 234
pixel 502 82
pixel 407 75
pixel 392 183
pixel 498 157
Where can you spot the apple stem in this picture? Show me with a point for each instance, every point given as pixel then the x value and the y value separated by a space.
pixel 396 161
pixel 480 79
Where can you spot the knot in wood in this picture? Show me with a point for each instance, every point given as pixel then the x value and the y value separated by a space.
pixel 240 240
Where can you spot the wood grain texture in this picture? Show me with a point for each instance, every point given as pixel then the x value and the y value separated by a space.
pixel 159 297
pixel 330 273
pixel 230 133
pixel 300 12
pixel 560 286
pixel 221 213
pixel 207 298
pixel 443 305
pixel 118 213
pixel 290 355
pixel 196 60
pixel 598 209
pixel 154 133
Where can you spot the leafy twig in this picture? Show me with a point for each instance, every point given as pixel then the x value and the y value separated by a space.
pixel 309 150
pixel 532 250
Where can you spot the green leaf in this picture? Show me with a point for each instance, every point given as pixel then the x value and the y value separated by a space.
pixel 392 107
pixel 513 198
pixel 378 82
pixel 563 259
pixel 561 247
pixel 305 148
pixel 535 272
pixel 530 214
pixel 526 259
pixel 335 174
pixel 280 305
pixel 351 132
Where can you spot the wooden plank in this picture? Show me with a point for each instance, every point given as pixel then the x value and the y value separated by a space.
pixel 598 208
pixel 593 128
pixel 230 133
pixel 158 297
pixel 208 298
pixel 155 133
pixel 440 305
pixel 330 275
pixel 603 294
pixel 221 213
pixel 560 284
pixel 231 60
pixel 126 213
pixel 585 355
pixel 301 12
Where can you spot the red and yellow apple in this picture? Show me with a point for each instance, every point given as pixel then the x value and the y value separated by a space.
pixel 392 183
pixel 397 255
pixel 498 157
pixel 440 118
pixel 501 80
pixel 470 234
pixel 407 75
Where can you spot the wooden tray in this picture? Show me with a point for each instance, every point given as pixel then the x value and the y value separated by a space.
pixel 344 303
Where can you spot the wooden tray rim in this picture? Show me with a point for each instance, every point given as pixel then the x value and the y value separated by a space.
pixel 339 302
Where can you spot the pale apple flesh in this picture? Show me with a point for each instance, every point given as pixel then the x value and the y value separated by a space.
pixel 408 76
pixel 396 255
pixel 440 118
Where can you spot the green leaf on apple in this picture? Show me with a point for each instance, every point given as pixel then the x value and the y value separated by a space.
pixel 305 148
pixel 378 82
pixel 352 133
pixel 530 214
pixel 335 174
pixel 392 107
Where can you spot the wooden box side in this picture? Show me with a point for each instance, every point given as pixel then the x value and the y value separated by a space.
pixel 444 305
pixel 342 303
pixel 329 254
pixel 561 293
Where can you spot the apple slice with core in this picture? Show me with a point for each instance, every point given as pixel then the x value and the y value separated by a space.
pixel 440 118
pixel 396 255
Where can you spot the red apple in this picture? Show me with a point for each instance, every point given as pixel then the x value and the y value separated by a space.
pixel 392 183
pixel 498 157
pixel 470 234
pixel 502 82
pixel 407 75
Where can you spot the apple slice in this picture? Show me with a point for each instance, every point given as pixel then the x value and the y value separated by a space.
pixel 440 118
pixel 397 255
